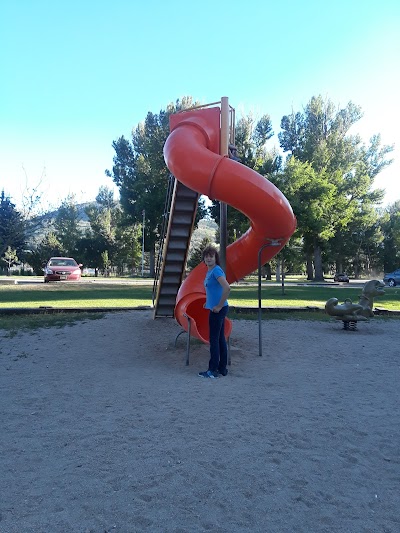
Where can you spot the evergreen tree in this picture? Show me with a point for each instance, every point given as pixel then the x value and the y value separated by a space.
pixel 141 175
pixel 12 226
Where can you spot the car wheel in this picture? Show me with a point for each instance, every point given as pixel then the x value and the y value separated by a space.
pixel 391 283
pixel 46 281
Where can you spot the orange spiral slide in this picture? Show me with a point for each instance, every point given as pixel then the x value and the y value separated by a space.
pixel 191 153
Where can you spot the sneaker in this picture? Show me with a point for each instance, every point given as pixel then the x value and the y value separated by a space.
pixel 208 374
pixel 223 372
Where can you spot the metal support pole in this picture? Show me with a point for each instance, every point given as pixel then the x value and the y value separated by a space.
pixel 273 242
pixel 188 342
pixel 223 223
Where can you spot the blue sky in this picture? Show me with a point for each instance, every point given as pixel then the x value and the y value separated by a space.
pixel 77 75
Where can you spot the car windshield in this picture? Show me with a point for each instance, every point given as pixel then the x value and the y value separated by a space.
pixel 62 262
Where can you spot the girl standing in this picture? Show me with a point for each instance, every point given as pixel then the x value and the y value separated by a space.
pixel 217 292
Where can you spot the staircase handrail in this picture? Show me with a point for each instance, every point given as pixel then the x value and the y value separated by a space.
pixel 167 209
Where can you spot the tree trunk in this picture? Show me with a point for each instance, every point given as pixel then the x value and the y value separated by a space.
pixel 368 264
pixel 278 271
pixel 310 269
pixel 319 273
pixel 356 264
pixel 268 274
pixel 339 265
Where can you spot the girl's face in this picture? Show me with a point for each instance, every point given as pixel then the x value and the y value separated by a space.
pixel 209 260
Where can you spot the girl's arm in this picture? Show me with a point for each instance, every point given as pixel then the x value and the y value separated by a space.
pixel 225 293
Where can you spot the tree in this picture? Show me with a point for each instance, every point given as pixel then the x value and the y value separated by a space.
pixel 106 263
pixel 104 216
pixel 10 257
pixel 196 255
pixel 251 137
pixel 109 233
pixel 344 170
pixel 390 224
pixel 313 199
pixel 37 221
pixel 66 226
pixel 140 173
pixel 89 250
pixel 48 247
pixel 128 250
pixel 12 226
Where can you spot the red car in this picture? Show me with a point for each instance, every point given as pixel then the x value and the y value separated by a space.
pixel 62 269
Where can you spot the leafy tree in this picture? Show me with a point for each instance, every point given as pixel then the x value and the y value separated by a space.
pixel 104 216
pixel 141 175
pixel 10 257
pixel 357 246
pixel 196 255
pixel 89 249
pixel 343 173
pixel 12 226
pixel 109 232
pixel 66 226
pixel 313 199
pixel 128 250
pixel 390 224
pixel 251 136
pixel 48 247
pixel 106 262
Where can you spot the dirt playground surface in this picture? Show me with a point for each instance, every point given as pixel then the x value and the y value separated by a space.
pixel 104 429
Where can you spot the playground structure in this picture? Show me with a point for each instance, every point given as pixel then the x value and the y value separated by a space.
pixel 350 313
pixel 196 153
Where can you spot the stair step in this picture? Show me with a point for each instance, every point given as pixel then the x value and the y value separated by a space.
pixel 167 290
pixel 172 278
pixel 181 215
pixel 173 255
pixel 185 192
pixel 164 314
pixel 167 301
pixel 184 205
pixel 173 268
pixel 182 218
pixel 175 244
pixel 180 231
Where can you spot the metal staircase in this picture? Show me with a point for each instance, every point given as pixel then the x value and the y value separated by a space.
pixel 174 248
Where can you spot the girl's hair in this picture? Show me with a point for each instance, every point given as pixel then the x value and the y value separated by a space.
pixel 210 250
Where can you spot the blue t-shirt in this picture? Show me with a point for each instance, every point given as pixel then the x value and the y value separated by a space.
pixel 213 287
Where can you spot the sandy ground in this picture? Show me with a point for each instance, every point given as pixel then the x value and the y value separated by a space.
pixel 104 428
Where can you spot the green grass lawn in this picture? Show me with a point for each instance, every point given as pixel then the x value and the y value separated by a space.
pixel 115 295
pixel 303 296
pixel 118 296
pixel 76 295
